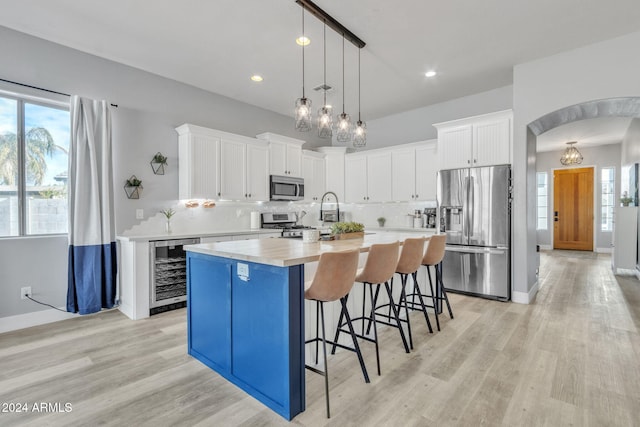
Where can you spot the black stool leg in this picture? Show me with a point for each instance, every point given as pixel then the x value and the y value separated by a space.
pixel 335 340
pixel 444 293
pixel 397 317
pixel 343 301
pixel 418 291
pixel 373 320
pixel 403 297
pixel 317 326
pixel 326 367
pixel 434 297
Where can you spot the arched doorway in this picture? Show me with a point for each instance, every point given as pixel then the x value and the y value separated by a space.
pixel 627 107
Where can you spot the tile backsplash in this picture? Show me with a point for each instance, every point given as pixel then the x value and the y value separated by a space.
pixel 235 216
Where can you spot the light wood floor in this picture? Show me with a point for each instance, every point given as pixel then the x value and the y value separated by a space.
pixel 571 358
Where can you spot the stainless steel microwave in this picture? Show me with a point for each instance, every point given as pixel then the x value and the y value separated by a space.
pixel 286 188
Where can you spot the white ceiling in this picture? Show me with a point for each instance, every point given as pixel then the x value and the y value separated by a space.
pixel 588 133
pixel 217 45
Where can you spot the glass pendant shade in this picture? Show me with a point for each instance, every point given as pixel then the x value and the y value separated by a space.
pixel 343 129
pixel 571 155
pixel 360 134
pixel 325 122
pixel 303 114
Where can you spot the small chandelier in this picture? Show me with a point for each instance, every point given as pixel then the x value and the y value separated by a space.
pixel 360 131
pixel 571 155
pixel 343 133
pixel 303 105
pixel 325 120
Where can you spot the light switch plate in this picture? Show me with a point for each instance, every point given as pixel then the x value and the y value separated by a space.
pixel 139 213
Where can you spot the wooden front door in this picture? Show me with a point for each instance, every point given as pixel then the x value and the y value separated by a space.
pixel 573 209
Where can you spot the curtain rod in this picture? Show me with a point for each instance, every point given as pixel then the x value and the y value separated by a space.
pixel 43 89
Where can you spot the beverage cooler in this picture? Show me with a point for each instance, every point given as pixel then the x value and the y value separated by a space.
pixel 168 274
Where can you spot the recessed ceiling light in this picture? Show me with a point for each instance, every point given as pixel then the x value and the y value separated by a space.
pixel 303 40
pixel 256 78
pixel 430 73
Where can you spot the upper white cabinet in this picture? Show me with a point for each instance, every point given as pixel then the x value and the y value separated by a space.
pixel 334 169
pixel 285 154
pixel 215 164
pixel 368 177
pixel 414 171
pixel 475 141
pixel 313 172
pixel 198 159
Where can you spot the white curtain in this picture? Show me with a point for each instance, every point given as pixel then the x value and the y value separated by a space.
pixel 92 248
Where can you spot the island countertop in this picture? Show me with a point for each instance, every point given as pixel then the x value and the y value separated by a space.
pixel 288 252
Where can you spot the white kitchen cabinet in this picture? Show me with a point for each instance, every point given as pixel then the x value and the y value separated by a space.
pixel 334 170
pixel 368 177
pixel 413 172
pixel 426 172
pixel 232 170
pixel 313 172
pixel 257 173
pixel 285 154
pixel 475 141
pixel 198 159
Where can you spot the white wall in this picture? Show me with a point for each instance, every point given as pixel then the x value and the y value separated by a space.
pixel 417 125
pixel 150 107
pixel 598 157
pixel 602 70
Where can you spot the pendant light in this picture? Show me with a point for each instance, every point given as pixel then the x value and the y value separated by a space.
pixel 325 120
pixel 343 131
pixel 360 131
pixel 571 155
pixel 303 105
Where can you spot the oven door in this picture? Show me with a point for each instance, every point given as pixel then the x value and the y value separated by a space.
pixel 286 188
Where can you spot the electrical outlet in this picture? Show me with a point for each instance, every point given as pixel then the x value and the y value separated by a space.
pixel 139 213
pixel 24 291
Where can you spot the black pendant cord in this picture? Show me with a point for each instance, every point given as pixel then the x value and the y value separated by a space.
pixel 324 45
pixel 42 89
pixel 359 121
pixel 343 74
pixel 303 43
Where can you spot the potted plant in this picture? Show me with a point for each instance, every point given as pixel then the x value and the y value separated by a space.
pixel 168 213
pixel 158 163
pixel 133 187
pixel 347 230
pixel 381 221
pixel 625 199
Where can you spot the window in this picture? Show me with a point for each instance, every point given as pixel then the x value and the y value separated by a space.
pixel 607 195
pixel 34 144
pixel 542 201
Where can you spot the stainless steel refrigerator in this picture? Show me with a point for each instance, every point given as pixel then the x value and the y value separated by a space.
pixel 475 214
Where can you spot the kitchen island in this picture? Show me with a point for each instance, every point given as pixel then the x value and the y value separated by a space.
pixel 245 312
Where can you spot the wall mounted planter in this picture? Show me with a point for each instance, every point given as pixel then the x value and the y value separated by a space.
pixel 133 187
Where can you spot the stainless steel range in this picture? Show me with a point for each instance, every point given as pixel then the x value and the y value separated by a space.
pixel 285 221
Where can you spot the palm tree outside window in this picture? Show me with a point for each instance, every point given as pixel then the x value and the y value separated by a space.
pixel 34 142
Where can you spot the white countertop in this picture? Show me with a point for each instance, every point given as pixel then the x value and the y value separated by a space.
pixel 288 252
pixel 178 235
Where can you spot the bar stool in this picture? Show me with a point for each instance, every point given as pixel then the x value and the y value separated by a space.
pixel 408 264
pixel 378 269
pixel 333 280
pixel 433 258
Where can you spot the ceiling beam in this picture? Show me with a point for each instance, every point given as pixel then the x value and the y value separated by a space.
pixel 331 22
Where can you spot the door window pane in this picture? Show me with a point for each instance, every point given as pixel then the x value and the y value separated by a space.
pixel 607 193
pixel 542 201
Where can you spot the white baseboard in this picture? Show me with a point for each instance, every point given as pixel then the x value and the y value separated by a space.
pixel 21 321
pixel 604 250
pixel 545 247
pixel 525 297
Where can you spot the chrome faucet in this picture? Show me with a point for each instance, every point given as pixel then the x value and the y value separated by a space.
pixel 337 205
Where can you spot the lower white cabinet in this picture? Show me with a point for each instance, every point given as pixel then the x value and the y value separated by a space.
pixel 625 238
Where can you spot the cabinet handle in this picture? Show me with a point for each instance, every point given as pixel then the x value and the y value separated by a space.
pixel 249 194
pixel 416 196
pixel 218 194
pixel 475 160
pixel 245 195
pixel 468 162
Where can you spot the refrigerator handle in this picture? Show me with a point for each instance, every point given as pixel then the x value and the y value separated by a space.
pixel 471 206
